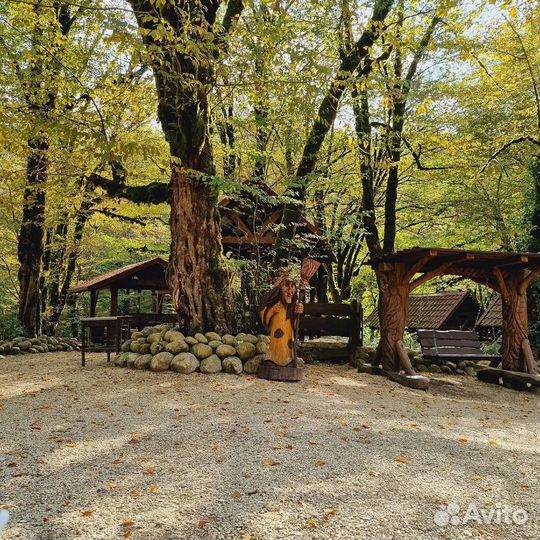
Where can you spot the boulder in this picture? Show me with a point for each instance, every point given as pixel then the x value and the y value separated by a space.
pixel 300 362
pixel 245 350
pixel 25 345
pixel 232 364
pixel 32 350
pixel 214 343
pixel 451 365
pixel 225 350
pixel 252 365
pixel 173 335
pixel 144 348
pixel 137 335
pixel 434 368
pixel 422 368
pixel 201 338
pixel 161 361
pixel 121 359
pixel 154 338
pixel 212 336
pixel 263 337
pixel 229 340
pixel 212 364
pixel 148 330
pixel 35 341
pixel 190 340
pixel 15 350
pixel 143 362
pixel 470 371
pixel 131 359
pixel 446 369
pixel 250 338
pixel 462 365
pixel 157 347
pixel 136 345
pixel 261 347
pixel 185 363
pixel 177 346
pixel 201 350
pixel 2 357
pixel 125 346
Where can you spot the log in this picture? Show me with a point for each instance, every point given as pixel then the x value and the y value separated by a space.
pixel 412 381
pixel 273 372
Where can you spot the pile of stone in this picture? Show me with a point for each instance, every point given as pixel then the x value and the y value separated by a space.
pixel 421 365
pixel 160 348
pixel 41 344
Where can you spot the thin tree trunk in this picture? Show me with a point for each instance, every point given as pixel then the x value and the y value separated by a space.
pixel 30 244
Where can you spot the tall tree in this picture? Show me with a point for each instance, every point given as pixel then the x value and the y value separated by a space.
pixel 183 39
pixel 351 60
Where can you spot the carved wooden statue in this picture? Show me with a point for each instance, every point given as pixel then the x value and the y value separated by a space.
pixel 279 313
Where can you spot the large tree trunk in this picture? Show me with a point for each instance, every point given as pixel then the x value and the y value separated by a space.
pixel 395 304
pixel 30 245
pixel 199 284
pixel 183 80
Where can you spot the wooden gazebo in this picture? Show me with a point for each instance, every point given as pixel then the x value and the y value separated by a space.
pixel 248 230
pixel 400 273
pixel 147 275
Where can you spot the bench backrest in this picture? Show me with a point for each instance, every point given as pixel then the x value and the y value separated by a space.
pixel 449 342
pixel 326 319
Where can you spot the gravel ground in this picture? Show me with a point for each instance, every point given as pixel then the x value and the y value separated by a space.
pixel 106 452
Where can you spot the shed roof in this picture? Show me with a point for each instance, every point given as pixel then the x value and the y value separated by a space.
pixel 148 274
pixel 429 310
pixel 492 317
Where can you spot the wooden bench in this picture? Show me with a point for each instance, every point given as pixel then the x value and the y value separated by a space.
pixel 441 345
pixel 326 319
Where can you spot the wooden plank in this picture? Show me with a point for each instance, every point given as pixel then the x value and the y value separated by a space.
pixel 448 334
pixel 490 374
pixel 453 351
pixel 327 309
pixel 328 326
pixel 446 342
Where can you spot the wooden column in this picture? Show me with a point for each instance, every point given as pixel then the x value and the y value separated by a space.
pixel 93 302
pixel 516 349
pixel 114 301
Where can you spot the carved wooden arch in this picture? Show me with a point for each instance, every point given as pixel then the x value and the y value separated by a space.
pixel 509 274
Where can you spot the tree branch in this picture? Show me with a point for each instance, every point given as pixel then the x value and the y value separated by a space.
pixel 508 145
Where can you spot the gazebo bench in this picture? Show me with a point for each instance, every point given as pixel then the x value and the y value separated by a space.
pixel 441 345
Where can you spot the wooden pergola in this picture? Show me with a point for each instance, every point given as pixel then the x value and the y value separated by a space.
pixel 400 273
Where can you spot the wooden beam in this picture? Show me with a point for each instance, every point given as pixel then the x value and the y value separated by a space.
pixel 114 301
pixel 242 240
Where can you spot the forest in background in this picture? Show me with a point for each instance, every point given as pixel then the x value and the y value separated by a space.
pixel 387 124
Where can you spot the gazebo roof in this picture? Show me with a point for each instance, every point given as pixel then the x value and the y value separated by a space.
pixel 145 275
pixel 431 311
pixel 461 258
pixel 248 226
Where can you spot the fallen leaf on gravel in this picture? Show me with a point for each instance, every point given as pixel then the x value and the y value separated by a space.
pixel 128 523
pixel 150 472
pixel 328 514
pixel 153 489
pixel 289 447
pixel 202 523
pixel 320 463
pixel 399 459
pixel 253 492
pixel 236 494
pixel 134 440
pixel 215 449
pixel 127 534
pixel 463 441
pixel 72 444
pixel 313 442
pixel 524 486
pixel 312 524
pixel 269 462
pixel 87 513
pixel 493 442
pixel 477 477
pixel 374 474
pixel 118 461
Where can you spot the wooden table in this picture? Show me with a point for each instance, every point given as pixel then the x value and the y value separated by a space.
pixel 111 326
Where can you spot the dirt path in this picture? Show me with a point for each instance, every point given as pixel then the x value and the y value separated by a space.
pixel 106 452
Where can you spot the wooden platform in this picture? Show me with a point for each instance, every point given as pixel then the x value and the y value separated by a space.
pixel 516 380
pixel 273 372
